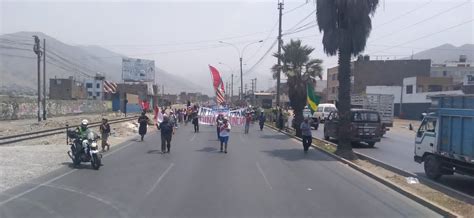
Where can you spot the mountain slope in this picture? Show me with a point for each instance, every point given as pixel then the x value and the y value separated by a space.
pixel 19 70
pixel 446 52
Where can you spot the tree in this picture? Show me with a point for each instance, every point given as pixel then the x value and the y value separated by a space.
pixel 300 69
pixel 346 25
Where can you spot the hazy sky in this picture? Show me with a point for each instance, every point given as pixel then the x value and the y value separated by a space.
pixel 182 36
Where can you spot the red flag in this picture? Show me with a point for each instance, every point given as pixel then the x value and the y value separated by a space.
pixel 218 85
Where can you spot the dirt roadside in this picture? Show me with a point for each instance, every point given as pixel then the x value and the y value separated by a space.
pixel 23 161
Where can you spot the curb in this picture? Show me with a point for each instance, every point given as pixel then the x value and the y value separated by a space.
pixel 433 206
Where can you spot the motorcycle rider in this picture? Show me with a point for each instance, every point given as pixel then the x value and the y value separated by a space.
pixel 82 131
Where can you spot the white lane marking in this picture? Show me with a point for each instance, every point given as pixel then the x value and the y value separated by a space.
pixel 192 138
pixel 54 179
pixel 159 179
pixel 264 177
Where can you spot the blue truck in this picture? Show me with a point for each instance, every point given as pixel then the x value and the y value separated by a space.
pixel 445 139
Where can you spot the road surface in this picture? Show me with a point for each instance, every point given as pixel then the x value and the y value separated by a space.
pixel 264 174
pixel 397 149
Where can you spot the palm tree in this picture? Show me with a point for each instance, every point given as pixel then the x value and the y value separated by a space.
pixel 346 25
pixel 300 69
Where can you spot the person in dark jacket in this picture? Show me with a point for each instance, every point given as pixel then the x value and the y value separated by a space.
pixel 105 132
pixel 261 120
pixel 143 120
pixel 307 135
pixel 195 120
pixel 167 131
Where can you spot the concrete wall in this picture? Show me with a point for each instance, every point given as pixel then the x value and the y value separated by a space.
pixel 12 108
pixel 387 90
pixel 387 73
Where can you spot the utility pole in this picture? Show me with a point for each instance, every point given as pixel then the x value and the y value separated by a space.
pixel 162 90
pixel 231 86
pixel 44 79
pixel 256 84
pixel 241 78
pixel 37 50
pixel 280 8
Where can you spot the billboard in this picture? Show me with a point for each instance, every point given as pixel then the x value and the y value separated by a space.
pixel 136 70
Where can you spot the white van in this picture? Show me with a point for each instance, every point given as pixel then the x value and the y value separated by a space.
pixel 323 111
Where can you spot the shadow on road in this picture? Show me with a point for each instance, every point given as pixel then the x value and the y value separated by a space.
pixel 154 151
pixel 208 149
pixel 298 154
pixel 280 137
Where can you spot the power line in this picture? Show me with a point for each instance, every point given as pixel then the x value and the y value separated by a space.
pixel 426 19
pixel 261 58
pixel 426 36
pixel 404 14
pixel 265 40
pixel 301 21
pixel 295 8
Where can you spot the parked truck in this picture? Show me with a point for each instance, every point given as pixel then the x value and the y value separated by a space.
pixel 381 103
pixel 445 139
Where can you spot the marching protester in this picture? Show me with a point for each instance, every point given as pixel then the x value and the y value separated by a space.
pixel 224 134
pixel 167 132
pixel 306 132
pixel 195 120
pixel 261 120
pixel 219 122
pixel 105 132
pixel 248 119
pixel 143 120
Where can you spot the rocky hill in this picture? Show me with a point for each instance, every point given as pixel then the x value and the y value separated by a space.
pixel 18 66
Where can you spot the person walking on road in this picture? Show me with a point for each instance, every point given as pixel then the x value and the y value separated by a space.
pixel 248 119
pixel 143 120
pixel 195 120
pixel 105 132
pixel 261 120
pixel 167 131
pixel 219 122
pixel 306 132
pixel 224 134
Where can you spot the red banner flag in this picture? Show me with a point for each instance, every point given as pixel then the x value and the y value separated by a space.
pixel 218 85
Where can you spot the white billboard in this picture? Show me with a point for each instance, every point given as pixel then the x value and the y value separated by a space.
pixel 135 70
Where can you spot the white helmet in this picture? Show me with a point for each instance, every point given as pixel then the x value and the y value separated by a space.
pixel 85 122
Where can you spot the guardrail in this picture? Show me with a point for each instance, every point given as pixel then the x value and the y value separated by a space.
pixel 424 180
pixel 48 132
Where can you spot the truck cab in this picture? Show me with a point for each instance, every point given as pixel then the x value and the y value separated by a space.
pixel 444 141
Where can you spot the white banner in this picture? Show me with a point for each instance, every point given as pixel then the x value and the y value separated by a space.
pixel 208 116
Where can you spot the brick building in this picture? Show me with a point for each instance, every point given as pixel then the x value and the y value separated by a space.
pixel 366 72
pixel 66 89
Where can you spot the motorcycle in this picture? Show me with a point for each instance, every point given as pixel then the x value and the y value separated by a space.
pixel 84 150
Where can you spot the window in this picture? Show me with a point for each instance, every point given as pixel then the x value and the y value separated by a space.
pixel 428 125
pixel 320 109
pixel 445 73
pixel 333 90
pixel 435 88
pixel 409 89
pixel 89 85
pixel 58 82
pixel 334 77
pixel 98 85
pixel 365 117
pixel 97 94
pixel 329 109
pixel 89 93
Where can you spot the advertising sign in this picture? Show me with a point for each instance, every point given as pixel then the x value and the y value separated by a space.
pixel 136 70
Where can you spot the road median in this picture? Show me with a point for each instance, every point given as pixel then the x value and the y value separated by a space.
pixel 396 179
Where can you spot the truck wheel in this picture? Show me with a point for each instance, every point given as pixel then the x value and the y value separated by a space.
pixel 432 167
pixel 371 144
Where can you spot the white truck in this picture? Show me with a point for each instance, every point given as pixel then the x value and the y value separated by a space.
pixel 382 103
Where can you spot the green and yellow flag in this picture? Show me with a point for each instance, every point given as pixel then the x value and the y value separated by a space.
pixel 312 99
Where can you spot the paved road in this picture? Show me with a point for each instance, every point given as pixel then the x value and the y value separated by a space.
pixel 264 174
pixel 396 149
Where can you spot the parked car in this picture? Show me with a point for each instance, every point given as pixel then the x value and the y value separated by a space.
pixel 322 113
pixel 366 126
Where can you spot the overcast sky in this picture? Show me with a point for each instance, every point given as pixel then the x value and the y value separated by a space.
pixel 183 36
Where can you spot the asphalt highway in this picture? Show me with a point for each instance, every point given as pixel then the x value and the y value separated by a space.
pixel 264 174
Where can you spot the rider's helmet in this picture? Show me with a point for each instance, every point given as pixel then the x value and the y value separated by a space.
pixel 84 123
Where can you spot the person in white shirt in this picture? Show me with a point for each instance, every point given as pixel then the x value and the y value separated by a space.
pixel 224 134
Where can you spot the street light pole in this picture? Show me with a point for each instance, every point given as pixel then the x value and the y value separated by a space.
pixel 241 53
